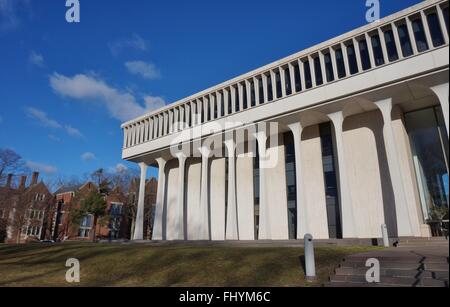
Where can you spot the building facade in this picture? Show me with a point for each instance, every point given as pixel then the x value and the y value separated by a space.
pixel 336 140
pixel 26 211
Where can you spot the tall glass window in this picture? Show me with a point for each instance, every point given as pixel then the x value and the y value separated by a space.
pixel 297 76
pixel 236 99
pixel 405 40
pixel 244 96
pixel 278 84
pixel 230 103
pixel 307 71
pixel 252 94
pixel 291 185
pixel 340 63
pixel 364 53
pixel 435 30
pixel 287 78
pixel 318 71
pixel 261 91
pixel 256 189
pixel 445 13
pixel 269 88
pixel 352 61
pixel 377 50
pixel 329 67
pixel 331 187
pixel 429 142
pixel 419 34
pixel 390 46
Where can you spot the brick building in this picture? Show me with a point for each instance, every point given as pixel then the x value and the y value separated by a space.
pixel 25 211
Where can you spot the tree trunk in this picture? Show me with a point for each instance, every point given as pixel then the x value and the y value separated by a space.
pixel 95 229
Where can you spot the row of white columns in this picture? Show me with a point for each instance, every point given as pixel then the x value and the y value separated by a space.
pixel 407 226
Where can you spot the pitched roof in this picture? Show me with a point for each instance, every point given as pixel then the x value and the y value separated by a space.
pixel 67 189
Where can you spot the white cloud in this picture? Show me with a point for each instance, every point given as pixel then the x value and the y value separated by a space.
pixel 119 168
pixel 36 58
pixel 122 105
pixel 136 42
pixel 42 118
pixel 154 103
pixel 73 131
pixel 43 168
pixel 143 69
pixel 88 156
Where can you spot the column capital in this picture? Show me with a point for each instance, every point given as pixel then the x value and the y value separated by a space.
pixel 230 144
pixel 337 118
pixel 143 166
pixel 385 106
pixel 161 162
pixel 296 128
pixel 205 151
pixel 441 90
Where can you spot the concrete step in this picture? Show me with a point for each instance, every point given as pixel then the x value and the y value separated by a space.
pixel 401 281
pixel 394 259
pixel 399 265
pixel 440 275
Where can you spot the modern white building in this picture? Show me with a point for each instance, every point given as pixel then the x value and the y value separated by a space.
pixel 335 141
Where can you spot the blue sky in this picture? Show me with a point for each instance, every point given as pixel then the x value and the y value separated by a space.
pixel 66 88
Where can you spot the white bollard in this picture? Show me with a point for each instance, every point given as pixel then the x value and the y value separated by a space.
pixel 384 232
pixel 310 263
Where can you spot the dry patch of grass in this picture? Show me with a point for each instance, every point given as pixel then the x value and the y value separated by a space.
pixel 165 266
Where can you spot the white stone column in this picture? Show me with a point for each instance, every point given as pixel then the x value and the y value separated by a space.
pixel 264 212
pixel 302 212
pixel 232 223
pixel 139 224
pixel 441 92
pixel 402 211
pixel 179 232
pixel 204 196
pixel 158 233
pixel 348 221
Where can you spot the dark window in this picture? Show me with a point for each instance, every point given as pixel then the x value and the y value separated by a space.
pixel 435 30
pixel 307 71
pixel 287 78
pixel 278 84
pixel 244 96
pixel 222 104
pixel 269 88
pixel 419 34
pixel 291 187
pixel 216 106
pixel 252 94
pixel 340 63
pixel 208 110
pixel 405 41
pixel 202 107
pixel 390 45
pixel 330 179
pixel 329 67
pixel 364 52
pixel 236 98
pixel 230 103
pixel 445 12
pixel 377 50
pixel 297 76
pixel 261 91
pixel 318 71
pixel 352 61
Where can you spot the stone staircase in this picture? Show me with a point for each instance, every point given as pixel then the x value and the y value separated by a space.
pixel 413 263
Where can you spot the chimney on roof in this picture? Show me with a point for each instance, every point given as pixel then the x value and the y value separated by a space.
pixel 34 179
pixel 23 180
pixel 9 180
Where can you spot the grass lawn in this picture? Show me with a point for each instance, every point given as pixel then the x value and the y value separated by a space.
pixel 180 265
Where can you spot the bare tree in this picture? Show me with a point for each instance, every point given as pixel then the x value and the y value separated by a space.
pixel 10 163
